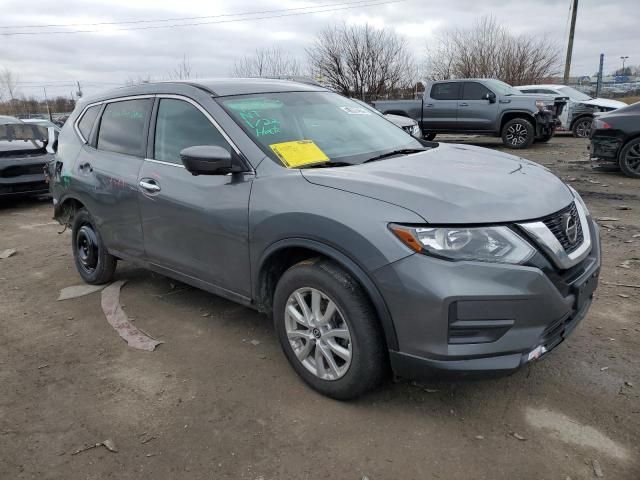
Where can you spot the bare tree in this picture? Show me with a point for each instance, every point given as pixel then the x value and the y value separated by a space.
pixel 8 83
pixel 490 50
pixel 183 71
pixel 267 62
pixel 361 60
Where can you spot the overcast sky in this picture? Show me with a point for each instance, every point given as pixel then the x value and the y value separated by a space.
pixel 107 58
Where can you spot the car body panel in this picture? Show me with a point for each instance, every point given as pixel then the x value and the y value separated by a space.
pixel 606 144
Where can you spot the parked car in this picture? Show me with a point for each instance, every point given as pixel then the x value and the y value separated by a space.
pixel 409 125
pixel 481 106
pixel 615 137
pixel 373 251
pixel 42 122
pixel 578 115
pixel 24 151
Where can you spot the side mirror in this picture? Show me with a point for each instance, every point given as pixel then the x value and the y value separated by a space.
pixel 490 96
pixel 207 160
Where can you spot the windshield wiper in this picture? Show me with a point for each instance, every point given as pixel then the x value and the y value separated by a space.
pixel 402 151
pixel 328 164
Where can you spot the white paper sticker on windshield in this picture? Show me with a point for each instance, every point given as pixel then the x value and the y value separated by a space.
pixel 355 110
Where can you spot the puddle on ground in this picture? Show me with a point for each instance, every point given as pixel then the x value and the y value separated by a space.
pixel 568 430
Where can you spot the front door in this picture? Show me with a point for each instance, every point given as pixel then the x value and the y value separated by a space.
pixel 475 111
pixel 194 225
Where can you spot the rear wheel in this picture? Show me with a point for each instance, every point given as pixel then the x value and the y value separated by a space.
pixel 94 264
pixel 518 133
pixel 582 127
pixel 630 159
pixel 328 330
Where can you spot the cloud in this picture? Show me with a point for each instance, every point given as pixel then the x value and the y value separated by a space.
pixel 107 58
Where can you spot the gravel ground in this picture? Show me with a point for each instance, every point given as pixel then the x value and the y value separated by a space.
pixel 217 399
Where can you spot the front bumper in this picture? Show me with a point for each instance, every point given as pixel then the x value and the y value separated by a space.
pixel 481 318
pixel 22 177
pixel 605 147
pixel 546 123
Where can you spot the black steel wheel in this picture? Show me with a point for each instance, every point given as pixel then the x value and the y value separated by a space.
pixel 94 264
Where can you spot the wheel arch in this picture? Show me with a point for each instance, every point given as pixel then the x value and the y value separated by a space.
pixel 281 255
pixel 66 208
pixel 510 115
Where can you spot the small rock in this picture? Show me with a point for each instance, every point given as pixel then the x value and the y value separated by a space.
pixel 518 436
pixel 479 437
pixel 603 369
pixel 623 207
pixel 628 384
pixel 597 469
pixel 431 390
pixel 364 477
pixel 151 455
pixel 255 342
pixel 637 235
pixel 7 253
pixel 622 295
pixel 110 445
pixel 607 219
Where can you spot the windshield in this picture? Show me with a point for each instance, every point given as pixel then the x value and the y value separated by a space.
pixel 502 88
pixel 574 94
pixel 22 138
pixel 323 124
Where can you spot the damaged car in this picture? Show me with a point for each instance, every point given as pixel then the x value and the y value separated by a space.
pixel 373 252
pixel 615 137
pixel 25 149
pixel 578 114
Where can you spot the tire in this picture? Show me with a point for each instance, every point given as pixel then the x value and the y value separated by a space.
pixel 94 264
pixel 518 133
pixel 629 159
pixel 429 136
pixel 367 365
pixel 582 127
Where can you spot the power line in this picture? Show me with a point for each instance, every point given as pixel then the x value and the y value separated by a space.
pixel 361 4
pixel 179 19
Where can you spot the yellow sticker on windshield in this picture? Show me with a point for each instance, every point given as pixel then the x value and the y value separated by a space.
pixel 299 153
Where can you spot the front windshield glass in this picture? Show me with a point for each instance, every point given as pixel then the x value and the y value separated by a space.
pixel 502 88
pixel 22 138
pixel 343 130
pixel 574 94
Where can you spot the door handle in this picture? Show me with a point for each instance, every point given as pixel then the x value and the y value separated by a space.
pixel 429 105
pixel 463 104
pixel 149 185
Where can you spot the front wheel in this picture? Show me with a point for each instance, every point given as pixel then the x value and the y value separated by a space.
pixel 630 159
pixel 518 133
pixel 328 330
pixel 94 264
pixel 582 128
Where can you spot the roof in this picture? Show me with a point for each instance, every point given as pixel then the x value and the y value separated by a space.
pixel 544 85
pixel 218 87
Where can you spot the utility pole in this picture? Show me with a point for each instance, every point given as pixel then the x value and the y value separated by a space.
pixel 46 100
pixel 599 84
pixel 624 59
pixel 572 31
pixel 79 93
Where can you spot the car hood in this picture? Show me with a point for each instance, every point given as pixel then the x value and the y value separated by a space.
pixel 604 102
pixel 454 184
pixel 399 120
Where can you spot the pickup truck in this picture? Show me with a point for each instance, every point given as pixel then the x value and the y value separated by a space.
pixel 481 106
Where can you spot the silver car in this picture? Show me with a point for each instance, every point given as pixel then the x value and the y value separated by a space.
pixel 373 252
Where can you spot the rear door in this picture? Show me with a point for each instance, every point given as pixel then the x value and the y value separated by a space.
pixel 440 108
pixel 107 167
pixel 474 111
pixel 194 225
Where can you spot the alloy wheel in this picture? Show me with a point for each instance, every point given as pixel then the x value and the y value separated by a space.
pixel 583 128
pixel 318 333
pixel 517 134
pixel 632 158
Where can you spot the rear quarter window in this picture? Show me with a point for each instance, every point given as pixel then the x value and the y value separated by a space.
pixel 88 119
pixel 123 127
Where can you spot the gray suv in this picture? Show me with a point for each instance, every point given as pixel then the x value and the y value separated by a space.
pixel 374 252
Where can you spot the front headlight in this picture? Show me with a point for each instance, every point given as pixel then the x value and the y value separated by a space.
pixel 481 244
pixel 415 131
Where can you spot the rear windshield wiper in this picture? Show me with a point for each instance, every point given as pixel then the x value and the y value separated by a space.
pixel 402 151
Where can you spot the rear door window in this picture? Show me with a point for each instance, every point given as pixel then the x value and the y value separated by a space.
pixel 474 91
pixel 180 125
pixel 446 91
pixel 123 127
pixel 88 119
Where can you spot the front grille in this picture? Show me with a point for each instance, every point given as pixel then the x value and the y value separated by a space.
pixel 555 223
pixel 18 170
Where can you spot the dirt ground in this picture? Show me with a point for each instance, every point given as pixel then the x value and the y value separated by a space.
pixel 212 402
